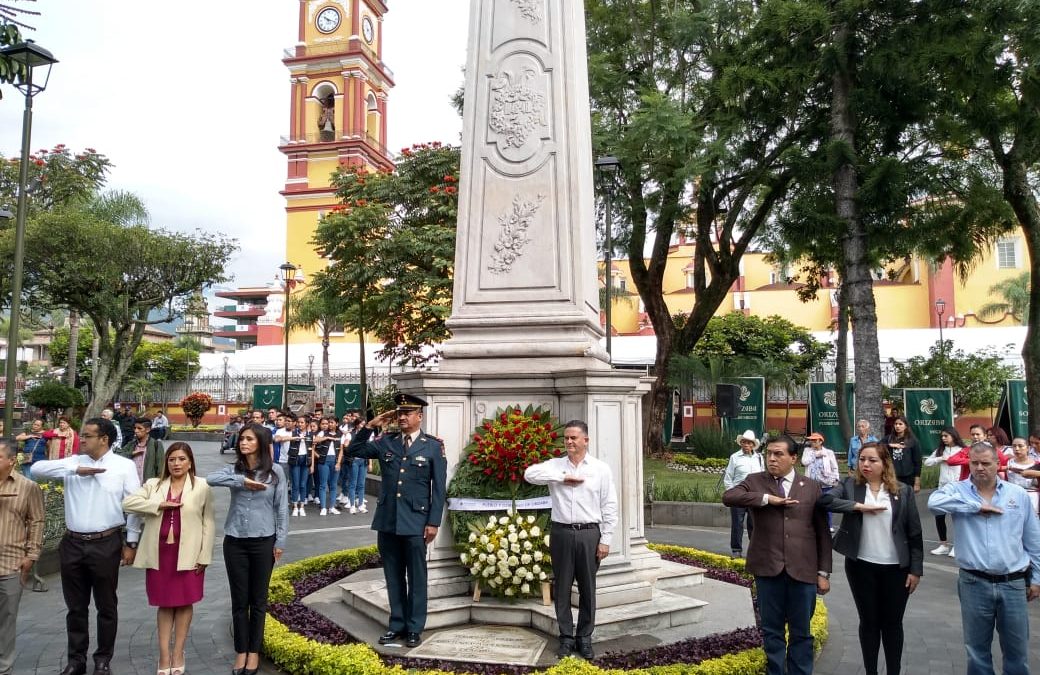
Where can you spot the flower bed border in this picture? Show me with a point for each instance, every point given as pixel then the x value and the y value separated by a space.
pixel 299 655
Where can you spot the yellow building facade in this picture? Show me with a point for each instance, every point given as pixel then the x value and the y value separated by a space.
pixel 906 292
pixel 337 117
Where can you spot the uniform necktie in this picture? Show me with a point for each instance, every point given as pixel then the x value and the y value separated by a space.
pixel 407 443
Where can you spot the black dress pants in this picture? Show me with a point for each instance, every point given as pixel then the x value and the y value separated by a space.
pixel 90 568
pixel 574 559
pixel 880 594
pixel 404 568
pixel 249 562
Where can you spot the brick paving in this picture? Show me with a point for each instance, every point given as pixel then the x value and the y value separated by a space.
pixel 933 631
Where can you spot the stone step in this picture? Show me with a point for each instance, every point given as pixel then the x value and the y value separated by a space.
pixel 662 610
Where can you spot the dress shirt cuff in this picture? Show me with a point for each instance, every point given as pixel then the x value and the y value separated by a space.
pixel 765 499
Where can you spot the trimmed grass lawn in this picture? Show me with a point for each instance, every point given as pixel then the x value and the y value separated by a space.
pixel 681 486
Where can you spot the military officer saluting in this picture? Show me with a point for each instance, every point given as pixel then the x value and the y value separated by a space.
pixel 414 471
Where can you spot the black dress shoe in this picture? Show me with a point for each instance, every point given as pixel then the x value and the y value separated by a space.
pixel 584 648
pixel 389 637
pixel 75 668
pixel 251 671
pixel 566 646
pixel 102 668
pixel 414 640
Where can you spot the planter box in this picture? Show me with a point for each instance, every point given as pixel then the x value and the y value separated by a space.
pixel 189 436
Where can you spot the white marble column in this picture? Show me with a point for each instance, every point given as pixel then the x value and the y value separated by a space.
pixel 525 279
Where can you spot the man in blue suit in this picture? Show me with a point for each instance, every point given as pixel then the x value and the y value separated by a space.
pixel 414 470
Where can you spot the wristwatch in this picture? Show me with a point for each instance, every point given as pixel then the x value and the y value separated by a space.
pixel 132 544
pixel 825 575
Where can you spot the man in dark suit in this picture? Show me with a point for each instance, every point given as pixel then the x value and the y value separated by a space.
pixel 414 470
pixel 789 554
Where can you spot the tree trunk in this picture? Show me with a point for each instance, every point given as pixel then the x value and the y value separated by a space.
pixel 1020 196
pixel 858 284
pixel 841 365
pixel 71 362
pixel 363 379
pixel 111 364
pixel 658 401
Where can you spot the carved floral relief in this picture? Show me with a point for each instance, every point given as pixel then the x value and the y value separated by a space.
pixel 517 108
pixel 530 9
pixel 512 240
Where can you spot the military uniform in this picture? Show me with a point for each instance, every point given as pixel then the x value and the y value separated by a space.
pixel 413 495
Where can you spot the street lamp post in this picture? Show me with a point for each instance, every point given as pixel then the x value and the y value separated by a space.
pixel 28 56
pixel 940 308
pixel 608 167
pixel 288 271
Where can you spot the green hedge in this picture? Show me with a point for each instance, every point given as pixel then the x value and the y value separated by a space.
pixel 298 655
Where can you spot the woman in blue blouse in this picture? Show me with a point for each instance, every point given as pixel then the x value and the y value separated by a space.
pixel 254 537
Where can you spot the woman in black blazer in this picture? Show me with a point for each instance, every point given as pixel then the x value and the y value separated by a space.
pixel 880 537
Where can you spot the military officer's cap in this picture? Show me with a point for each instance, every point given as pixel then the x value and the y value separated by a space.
pixel 409 402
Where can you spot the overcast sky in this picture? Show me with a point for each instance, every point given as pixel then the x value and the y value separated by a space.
pixel 189 98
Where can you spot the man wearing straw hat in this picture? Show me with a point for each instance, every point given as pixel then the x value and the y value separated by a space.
pixel 743 462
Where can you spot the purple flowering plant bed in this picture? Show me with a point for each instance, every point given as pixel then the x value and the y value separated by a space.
pixel 310 624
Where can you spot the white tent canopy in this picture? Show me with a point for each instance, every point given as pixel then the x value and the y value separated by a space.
pixel 898 344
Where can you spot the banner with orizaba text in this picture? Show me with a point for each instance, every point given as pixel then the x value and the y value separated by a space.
pixel 751 407
pixel 823 412
pixel 928 411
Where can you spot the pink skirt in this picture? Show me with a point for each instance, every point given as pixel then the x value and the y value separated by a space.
pixel 166 586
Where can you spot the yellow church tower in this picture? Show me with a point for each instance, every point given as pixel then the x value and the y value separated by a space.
pixel 337 113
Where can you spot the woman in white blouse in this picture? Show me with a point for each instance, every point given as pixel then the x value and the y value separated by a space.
pixel 880 537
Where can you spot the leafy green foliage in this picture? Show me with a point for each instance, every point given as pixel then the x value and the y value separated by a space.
pixel 1014 294
pixel 977 379
pixel 59 352
pixel 392 244
pixel 165 362
pixel 9 35
pixel 706 134
pixel 53 395
pixel 772 339
pixel 57 177
pixel 710 442
pixel 117 275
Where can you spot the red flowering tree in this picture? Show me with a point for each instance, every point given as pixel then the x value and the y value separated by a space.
pixel 195 405
pixel 503 446
pixel 394 235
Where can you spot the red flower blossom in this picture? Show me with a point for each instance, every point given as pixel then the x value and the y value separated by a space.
pixel 503 446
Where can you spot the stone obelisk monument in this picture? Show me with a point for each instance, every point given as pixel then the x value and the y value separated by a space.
pixel 525 316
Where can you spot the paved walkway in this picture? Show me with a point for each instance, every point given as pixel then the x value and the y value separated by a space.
pixel 934 644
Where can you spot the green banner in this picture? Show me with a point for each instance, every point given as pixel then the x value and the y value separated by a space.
pixel 823 412
pixel 751 407
pixel 928 411
pixel 270 395
pixel 1018 408
pixel 347 397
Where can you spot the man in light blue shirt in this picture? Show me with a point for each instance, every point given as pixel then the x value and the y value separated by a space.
pixel 998 552
pixel 862 436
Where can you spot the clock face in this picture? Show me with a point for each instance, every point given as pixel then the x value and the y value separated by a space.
pixel 328 20
pixel 367 30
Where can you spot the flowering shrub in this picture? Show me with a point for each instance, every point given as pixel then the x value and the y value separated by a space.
pixel 505 445
pixel 195 405
pixel 509 555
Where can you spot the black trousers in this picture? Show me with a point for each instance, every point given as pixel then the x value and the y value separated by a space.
pixel 574 559
pixel 90 568
pixel 737 515
pixel 880 594
pixel 940 527
pixel 404 567
pixel 249 562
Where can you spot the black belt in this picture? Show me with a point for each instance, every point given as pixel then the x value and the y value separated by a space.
pixel 91 536
pixel 575 526
pixel 999 578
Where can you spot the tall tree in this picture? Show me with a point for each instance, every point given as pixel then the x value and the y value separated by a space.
pixel 117 276
pixel 706 138
pixel 988 54
pixel 320 310
pixel 392 244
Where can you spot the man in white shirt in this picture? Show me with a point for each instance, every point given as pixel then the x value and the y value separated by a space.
pixel 584 515
pixel 92 550
pixel 742 463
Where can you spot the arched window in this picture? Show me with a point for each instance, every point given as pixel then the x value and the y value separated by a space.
pixel 325 95
pixel 372 117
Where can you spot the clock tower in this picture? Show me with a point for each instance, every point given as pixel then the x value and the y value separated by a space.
pixel 337 113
